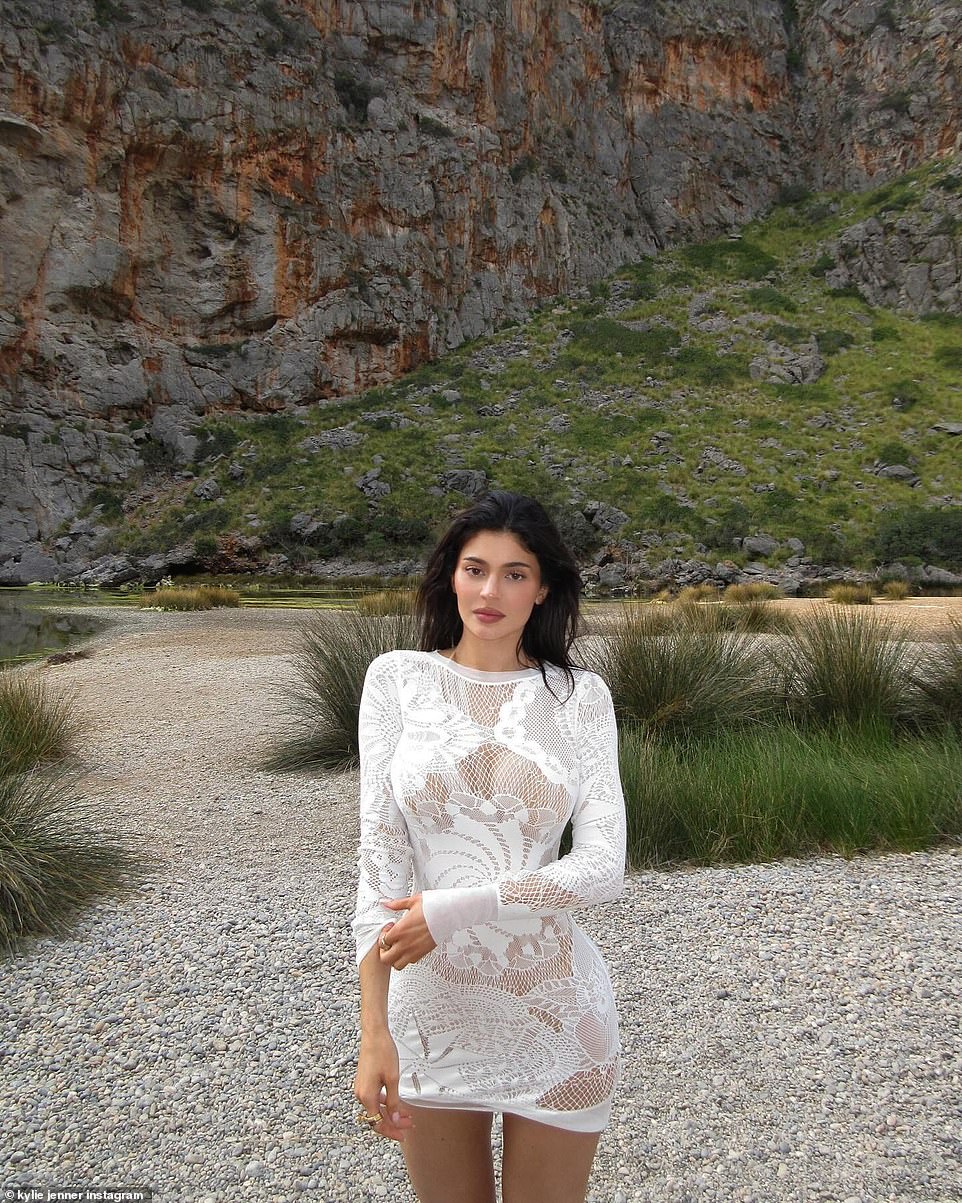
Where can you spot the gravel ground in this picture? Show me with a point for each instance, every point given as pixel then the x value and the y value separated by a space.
pixel 791 1031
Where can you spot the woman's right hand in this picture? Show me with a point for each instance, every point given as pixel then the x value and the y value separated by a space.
pixel 376 1085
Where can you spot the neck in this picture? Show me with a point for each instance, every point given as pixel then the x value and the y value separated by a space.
pixel 490 657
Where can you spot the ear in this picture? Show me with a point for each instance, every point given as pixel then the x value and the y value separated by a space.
pixel 542 594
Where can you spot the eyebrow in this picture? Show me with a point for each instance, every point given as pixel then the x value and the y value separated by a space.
pixel 512 564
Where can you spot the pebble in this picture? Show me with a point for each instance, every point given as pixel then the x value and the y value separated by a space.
pixel 199 1038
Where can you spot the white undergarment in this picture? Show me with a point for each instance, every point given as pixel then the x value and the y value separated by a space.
pixel 467 781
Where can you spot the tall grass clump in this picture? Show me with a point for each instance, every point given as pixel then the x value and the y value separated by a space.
pixel 180 597
pixel 680 682
pixel 851 595
pixel 321 706
pixel 56 854
pixel 896 590
pixel 847 667
pixel 386 602
pixel 36 726
pixel 750 795
pixel 938 678
pixel 756 617
pixel 752 591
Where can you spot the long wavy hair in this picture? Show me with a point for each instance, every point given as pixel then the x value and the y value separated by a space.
pixel 551 630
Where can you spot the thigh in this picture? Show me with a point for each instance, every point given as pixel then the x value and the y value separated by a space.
pixel 448 1155
pixel 541 1164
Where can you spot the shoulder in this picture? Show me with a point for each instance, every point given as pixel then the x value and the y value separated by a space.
pixel 389 666
pixel 589 689
pixel 591 698
pixel 589 686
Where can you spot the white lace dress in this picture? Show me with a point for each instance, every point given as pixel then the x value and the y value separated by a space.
pixel 467 781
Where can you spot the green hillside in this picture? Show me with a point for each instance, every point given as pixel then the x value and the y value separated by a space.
pixel 640 395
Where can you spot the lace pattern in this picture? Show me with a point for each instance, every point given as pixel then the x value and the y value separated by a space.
pixel 467 782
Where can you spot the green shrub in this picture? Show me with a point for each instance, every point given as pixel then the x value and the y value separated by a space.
pixel 179 597
pixel 792 194
pixel 683 682
pixel 948 357
pixel 604 336
pixel 37 727
pixel 321 706
pixel 54 855
pixel 735 259
pixel 894 452
pixel 852 595
pixel 830 342
pixel 789 336
pixel 706 367
pixel 526 165
pixel 929 534
pixel 939 678
pixel 855 668
pixel 823 264
pixel 386 601
pixel 895 102
pixel 432 128
pixel 770 299
pixel 215 439
pixel 106 12
pixel 206 547
pixel 752 591
pixel 750 795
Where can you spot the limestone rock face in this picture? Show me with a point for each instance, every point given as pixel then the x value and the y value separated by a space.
pixel 229 205
pixel 910 261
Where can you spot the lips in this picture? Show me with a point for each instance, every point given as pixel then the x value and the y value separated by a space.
pixel 488 615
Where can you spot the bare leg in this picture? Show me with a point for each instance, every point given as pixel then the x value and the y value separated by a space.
pixel 541 1164
pixel 448 1155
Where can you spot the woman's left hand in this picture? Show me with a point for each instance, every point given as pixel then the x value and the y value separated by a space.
pixel 407 940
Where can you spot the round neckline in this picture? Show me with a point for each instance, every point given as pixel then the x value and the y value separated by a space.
pixel 480 674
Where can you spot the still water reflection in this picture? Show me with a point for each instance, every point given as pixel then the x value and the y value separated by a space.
pixel 32 626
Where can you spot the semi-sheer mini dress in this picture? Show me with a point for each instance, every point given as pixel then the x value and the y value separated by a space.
pixel 468 779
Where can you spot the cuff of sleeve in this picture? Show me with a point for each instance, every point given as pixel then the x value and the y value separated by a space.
pixel 447 911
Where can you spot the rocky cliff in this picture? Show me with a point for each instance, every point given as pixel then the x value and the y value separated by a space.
pixel 253 204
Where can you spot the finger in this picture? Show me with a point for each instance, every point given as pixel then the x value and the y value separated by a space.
pixel 397 1119
pixel 396 904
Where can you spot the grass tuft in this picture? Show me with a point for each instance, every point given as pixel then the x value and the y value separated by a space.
pixel 852 595
pixel 752 591
pixel 37 727
pixel 386 602
pixel 55 855
pixel 847 667
pixel 939 677
pixel 203 597
pixel 320 731
pixel 682 682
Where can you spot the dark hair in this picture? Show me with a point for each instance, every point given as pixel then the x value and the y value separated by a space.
pixel 553 625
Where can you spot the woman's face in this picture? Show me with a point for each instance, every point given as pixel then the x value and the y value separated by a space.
pixel 497 582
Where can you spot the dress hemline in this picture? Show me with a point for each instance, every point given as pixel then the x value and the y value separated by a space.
pixel 591 1119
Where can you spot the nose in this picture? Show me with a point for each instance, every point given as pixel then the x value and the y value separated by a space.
pixel 490 586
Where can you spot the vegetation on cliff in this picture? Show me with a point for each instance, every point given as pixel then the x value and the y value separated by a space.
pixel 717 391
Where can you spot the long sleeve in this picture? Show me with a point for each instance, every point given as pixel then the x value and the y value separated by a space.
pixel 592 872
pixel 384 857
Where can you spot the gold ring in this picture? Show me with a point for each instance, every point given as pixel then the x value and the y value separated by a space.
pixel 383 944
pixel 372 1121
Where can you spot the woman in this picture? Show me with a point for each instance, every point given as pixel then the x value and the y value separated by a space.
pixel 478 991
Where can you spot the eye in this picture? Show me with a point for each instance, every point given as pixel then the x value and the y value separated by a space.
pixel 517 576
pixel 472 570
